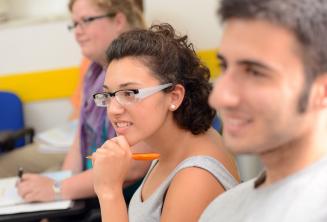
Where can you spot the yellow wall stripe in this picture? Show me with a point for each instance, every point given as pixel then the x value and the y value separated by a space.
pixel 209 58
pixel 60 83
pixel 42 85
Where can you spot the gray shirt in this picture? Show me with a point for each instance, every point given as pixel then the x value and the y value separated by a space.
pixel 150 209
pixel 301 197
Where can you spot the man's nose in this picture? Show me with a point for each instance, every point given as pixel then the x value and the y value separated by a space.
pixel 225 93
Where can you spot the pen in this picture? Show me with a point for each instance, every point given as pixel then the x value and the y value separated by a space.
pixel 141 156
pixel 20 172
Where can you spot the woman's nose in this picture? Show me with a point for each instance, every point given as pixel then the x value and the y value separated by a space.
pixel 114 107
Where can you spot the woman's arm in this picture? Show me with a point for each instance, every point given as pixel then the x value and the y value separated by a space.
pixel 137 169
pixel 34 187
pixel 81 184
pixel 190 192
pixel 111 164
pixel 78 186
pixel 73 159
pixel 113 206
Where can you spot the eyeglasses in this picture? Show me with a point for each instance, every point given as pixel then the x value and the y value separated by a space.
pixel 87 20
pixel 127 96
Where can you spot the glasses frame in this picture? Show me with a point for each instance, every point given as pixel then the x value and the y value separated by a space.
pixel 139 94
pixel 87 20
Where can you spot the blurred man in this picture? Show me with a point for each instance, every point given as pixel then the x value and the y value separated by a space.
pixel 272 98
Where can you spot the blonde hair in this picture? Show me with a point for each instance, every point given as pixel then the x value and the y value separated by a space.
pixel 127 7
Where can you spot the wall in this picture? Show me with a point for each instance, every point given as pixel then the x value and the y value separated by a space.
pixel 193 17
pixel 37 8
pixel 33 43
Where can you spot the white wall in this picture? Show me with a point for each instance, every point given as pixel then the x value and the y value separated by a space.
pixel 37 8
pixel 37 39
pixel 37 46
pixel 193 17
pixel 47 114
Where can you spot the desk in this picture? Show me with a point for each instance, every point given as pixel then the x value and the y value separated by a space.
pixel 78 208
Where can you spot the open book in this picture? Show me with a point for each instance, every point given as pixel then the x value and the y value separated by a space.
pixel 12 203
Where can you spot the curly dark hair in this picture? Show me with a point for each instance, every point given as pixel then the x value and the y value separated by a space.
pixel 173 60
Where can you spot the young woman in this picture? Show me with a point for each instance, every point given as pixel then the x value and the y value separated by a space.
pixel 95 23
pixel 156 91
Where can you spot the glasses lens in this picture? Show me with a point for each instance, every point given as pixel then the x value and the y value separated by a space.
pixel 71 26
pixel 125 97
pixel 101 99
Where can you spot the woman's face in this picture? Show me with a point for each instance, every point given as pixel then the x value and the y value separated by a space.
pixel 143 119
pixel 93 37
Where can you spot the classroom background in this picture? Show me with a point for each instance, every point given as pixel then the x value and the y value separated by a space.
pixel 40 59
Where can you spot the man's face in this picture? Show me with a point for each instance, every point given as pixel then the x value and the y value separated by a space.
pixel 258 92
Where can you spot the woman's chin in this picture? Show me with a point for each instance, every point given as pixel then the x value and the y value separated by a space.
pixel 130 139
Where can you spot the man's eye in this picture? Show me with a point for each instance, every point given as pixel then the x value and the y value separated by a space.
pixel 253 72
pixel 222 66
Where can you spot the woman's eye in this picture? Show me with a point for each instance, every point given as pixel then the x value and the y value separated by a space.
pixel 128 93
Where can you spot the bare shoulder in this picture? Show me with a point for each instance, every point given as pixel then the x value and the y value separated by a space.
pixel 213 146
pixel 192 189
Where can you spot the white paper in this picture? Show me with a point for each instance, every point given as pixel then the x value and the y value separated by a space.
pixel 58 139
pixel 34 207
pixel 11 202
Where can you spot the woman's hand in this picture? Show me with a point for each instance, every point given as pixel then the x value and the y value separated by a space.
pixel 110 165
pixel 36 188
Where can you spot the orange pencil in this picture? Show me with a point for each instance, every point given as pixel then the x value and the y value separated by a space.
pixel 141 156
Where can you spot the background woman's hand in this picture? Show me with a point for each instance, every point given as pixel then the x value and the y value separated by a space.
pixel 36 188
pixel 110 165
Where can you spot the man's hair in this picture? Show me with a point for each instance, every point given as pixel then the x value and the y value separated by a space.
pixel 128 7
pixel 171 59
pixel 306 19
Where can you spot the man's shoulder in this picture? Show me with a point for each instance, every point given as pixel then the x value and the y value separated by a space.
pixel 228 202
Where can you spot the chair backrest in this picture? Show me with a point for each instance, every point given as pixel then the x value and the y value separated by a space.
pixel 11 112
pixel 217 124
pixel 11 115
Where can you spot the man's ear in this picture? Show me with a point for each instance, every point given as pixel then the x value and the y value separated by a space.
pixel 176 97
pixel 321 97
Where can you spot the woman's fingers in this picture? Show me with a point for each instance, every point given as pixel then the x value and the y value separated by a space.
pixel 121 141
pixel 117 146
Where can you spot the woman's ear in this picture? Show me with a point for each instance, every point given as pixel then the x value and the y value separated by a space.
pixel 120 22
pixel 176 97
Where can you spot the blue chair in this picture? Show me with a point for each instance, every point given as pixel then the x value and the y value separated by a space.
pixel 12 129
pixel 217 124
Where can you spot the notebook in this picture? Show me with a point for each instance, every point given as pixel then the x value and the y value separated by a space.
pixel 12 203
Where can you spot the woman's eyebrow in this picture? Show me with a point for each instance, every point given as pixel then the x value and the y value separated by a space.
pixel 128 84
pixel 122 86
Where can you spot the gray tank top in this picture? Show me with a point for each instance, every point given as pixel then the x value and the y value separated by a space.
pixel 150 209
